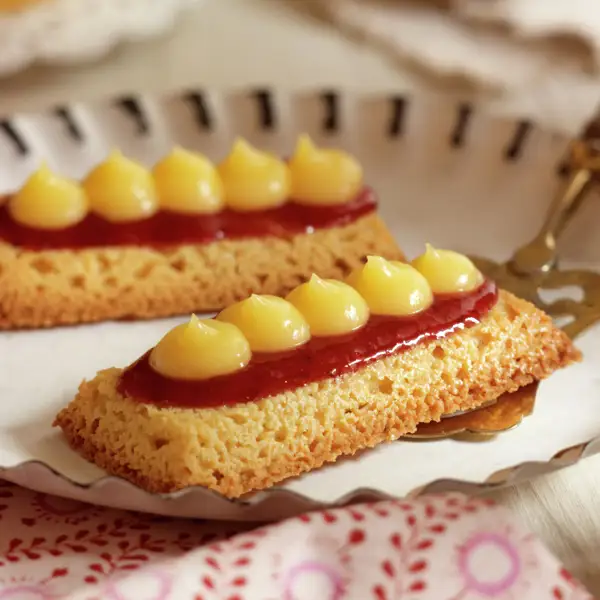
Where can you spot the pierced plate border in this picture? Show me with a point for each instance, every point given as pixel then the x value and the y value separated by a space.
pixel 140 112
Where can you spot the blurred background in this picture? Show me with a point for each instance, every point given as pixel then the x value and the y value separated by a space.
pixel 535 59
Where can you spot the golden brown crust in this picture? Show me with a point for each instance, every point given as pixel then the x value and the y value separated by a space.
pixel 246 447
pixel 48 288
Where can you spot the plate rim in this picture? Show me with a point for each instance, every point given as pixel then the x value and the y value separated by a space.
pixel 563 458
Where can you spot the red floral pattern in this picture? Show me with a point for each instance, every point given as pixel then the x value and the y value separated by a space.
pixel 438 547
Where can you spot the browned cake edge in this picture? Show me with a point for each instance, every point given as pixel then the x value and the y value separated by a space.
pixel 234 450
pixel 48 288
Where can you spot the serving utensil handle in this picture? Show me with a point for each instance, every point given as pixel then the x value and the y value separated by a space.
pixel 540 255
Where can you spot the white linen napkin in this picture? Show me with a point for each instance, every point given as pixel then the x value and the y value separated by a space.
pixel 507 48
pixel 540 18
pixel 450 43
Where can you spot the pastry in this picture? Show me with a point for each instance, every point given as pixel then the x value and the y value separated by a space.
pixel 127 243
pixel 16 6
pixel 274 387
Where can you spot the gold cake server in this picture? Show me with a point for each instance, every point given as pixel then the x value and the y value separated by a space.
pixel 499 416
pixel 532 268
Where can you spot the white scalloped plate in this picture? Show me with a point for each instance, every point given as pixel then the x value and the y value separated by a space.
pixel 445 173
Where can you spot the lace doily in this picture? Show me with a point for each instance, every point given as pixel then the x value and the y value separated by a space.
pixel 70 31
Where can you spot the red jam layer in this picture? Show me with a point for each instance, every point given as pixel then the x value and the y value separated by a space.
pixel 320 358
pixel 172 229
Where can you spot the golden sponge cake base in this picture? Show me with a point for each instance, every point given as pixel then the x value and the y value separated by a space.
pixel 60 287
pixel 237 449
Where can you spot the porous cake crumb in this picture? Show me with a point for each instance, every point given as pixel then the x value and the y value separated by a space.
pixel 237 449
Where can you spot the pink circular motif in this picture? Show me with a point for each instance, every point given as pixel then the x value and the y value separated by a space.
pixel 163 580
pixel 24 592
pixel 491 586
pixel 313 567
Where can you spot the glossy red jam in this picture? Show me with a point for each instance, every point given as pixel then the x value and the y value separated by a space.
pixel 320 358
pixel 172 229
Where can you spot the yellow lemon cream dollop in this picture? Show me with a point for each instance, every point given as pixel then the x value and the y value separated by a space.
pixel 448 272
pixel 48 201
pixel 331 307
pixel 269 323
pixel 187 182
pixel 121 190
pixel 323 176
pixel 253 180
pixel 391 288
pixel 201 349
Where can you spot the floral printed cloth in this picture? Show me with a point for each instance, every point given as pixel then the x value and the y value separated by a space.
pixel 447 547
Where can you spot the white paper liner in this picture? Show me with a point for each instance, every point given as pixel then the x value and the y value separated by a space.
pixel 445 173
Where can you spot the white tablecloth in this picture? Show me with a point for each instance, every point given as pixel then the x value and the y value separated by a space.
pixel 237 43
